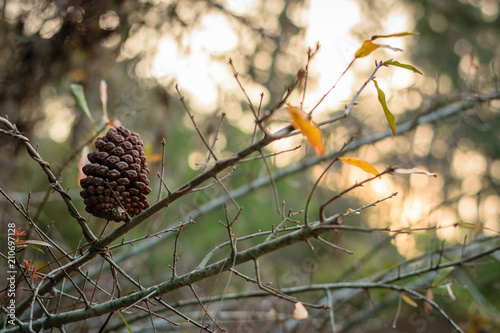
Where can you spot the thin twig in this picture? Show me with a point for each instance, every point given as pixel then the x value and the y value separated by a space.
pixel 227 192
pixel 320 177
pixel 273 184
pixel 162 169
pixel 205 310
pixel 175 258
pixel 258 114
pixel 353 101
pixel 230 172
pixel 260 156
pixel 330 304
pixel 191 116
pixel 397 313
pixel 255 114
pixel 336 247
pixel 389 169
pixel 216 137
pixel 310 55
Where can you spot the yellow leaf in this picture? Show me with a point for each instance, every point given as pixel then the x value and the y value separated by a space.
pixel 272 314
pixel 400 34
pixel 390 117
pixel 360 164
pixel 308 128
pixel 408 301
pixel 430 296
pixel 300 311
pixel 365 49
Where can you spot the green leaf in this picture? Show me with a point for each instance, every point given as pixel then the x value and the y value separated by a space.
pixel 77 90
pixel 124 321
pixel 36 248
pixel 405 66
pixel 32 242
pixel 390 117
pixel 441 276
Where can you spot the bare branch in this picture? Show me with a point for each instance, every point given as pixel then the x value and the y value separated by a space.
pixel 191 116
pixel 54 183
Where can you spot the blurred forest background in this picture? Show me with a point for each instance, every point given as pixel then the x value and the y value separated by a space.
pixel 142 49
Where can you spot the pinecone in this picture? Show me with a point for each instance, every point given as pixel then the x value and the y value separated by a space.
pixel 117 176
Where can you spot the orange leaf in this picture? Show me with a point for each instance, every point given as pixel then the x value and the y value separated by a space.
pixel 300 311
pixel 308 128
pixel 360 164
pixel 365 49
pixel 430 296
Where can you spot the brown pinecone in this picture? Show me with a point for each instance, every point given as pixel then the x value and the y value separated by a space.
pixel 117 176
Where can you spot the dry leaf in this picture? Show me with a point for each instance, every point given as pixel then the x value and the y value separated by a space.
pixel 430 296
pixel 308 128
pixel 83 160
pixel 392 48
pixel 411 171
pixel 114 122
pixel 450 292
pixel 408 301
pixel 360 164
pixel 103 88
pixel 300 311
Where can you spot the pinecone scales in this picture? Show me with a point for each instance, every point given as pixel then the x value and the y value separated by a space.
pixel 117 176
